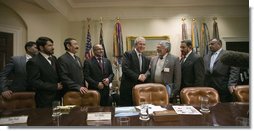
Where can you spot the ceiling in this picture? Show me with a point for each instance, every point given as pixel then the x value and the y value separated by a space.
pixel 76 10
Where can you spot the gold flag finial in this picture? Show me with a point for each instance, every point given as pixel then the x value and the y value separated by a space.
pixel 101 20
pixel 88 19
pixel 194 19
pixel 183 19
pixel 214 18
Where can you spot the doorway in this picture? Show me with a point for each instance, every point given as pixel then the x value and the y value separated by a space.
pixel 6 48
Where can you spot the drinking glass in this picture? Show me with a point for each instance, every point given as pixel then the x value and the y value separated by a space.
pixel 144 115
pixel 56 109
pixel 204 104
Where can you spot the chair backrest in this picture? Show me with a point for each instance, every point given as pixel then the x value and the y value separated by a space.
pixel 242 93
pixel 18 100
pixel 151 93
pixel 191 95
pixel 91 98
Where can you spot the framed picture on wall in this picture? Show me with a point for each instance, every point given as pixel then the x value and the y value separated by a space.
pixel 151 42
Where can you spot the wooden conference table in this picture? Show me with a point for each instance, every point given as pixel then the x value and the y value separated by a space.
pixel 222 114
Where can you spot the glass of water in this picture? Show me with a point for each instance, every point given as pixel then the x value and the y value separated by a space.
pixel 144 115
pixel 56 109
pixel 204 104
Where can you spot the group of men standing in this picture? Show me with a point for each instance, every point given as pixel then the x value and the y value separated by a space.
pixel 189 71
pixel 51 78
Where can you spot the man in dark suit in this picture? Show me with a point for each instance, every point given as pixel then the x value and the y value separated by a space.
pixel 71 71
pixel 193 70
pixel 42 74
pixel 221 77
pixel 165 69
pixel 17 68
pixel 98 73
pixel 134 66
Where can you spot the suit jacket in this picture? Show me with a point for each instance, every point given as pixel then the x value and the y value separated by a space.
pixel 131 72
pixel 172 76
pixel 71 72
pixel 221 77
pixel 17 68
pixel 193 71
pixel 44 78
pixel 93 75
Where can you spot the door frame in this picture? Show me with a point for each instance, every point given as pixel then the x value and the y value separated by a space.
pixel 17 37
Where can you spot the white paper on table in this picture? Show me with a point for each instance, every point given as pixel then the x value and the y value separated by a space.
pixel 152 108
pixel 13 120
pixel 99 116
pixel 126 111
pixel 186 110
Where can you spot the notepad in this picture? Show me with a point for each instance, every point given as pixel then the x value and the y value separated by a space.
pixel 186 110
pixel 13 120
pixel 95 116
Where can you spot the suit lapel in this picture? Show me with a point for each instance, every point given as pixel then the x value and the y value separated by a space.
pixel 218 57
pixel 166 61
pixel 135 58
pixel 209 60
pixel 45 62
pixel 72 59
pixel 23 62
pixel 154 64
pixel 95 62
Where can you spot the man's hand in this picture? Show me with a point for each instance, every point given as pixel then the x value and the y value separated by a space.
pixel 231 89
pixel 83 90
pixel 59 86
pixel 100 85
pixel 105 81
pixel 7 94
pixel 142 77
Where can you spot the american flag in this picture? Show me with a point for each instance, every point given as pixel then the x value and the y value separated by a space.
pixel 88 52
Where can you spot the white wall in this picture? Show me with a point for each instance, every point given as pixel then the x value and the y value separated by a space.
pixel 10 22
pixel 39 23
pixel 228 27
pixel 54 25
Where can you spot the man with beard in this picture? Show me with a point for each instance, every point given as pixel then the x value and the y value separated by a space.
pixel 165 69
pixel 17 68
pixel 42 74
pixel 221 77
pixel 193 70
pixel 71 71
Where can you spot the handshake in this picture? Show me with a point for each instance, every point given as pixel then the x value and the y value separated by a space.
pixel 142 77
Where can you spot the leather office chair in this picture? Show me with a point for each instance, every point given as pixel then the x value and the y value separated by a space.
pixel 191 95
pixel 151 93
pixel 242 93
pixel 18 100
pixel 91 98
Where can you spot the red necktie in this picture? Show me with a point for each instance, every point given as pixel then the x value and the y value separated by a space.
pixel 100 63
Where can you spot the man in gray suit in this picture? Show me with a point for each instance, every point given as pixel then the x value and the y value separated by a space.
pixel 221 77
pixel 17 68
pixel 71 70
pixel 165 68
